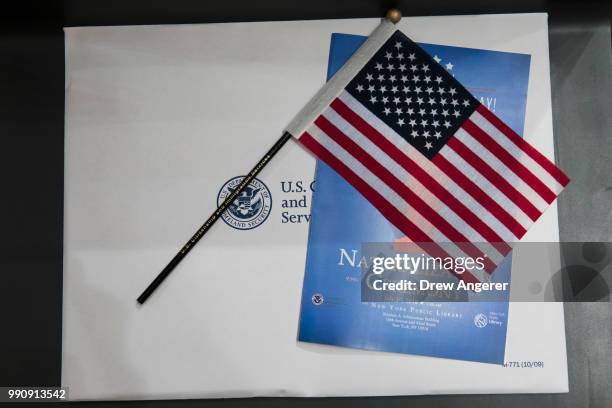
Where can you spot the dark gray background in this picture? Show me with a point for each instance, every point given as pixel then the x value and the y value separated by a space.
pixel 31 137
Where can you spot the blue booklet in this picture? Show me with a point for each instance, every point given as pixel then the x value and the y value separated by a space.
pixel 332 311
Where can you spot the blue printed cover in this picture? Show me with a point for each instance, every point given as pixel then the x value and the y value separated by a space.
pixel 332 311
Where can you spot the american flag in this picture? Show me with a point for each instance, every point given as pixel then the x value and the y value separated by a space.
pixel 431 158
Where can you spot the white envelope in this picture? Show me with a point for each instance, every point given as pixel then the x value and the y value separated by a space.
pixel 158 118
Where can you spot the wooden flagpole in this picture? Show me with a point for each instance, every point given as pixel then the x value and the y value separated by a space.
pixel 214 217
pixel 393 16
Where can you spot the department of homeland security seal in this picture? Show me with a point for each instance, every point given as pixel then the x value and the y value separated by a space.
pixel 251 208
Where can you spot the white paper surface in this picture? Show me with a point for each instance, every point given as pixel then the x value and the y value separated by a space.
pixel 157 119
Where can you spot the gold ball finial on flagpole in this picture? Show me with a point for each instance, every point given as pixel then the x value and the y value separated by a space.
pixel 394 15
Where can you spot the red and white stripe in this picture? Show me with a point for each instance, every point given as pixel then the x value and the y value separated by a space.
pixel 482 190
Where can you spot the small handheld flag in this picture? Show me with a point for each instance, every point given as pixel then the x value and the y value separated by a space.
pixel 429 156
pixel 426 153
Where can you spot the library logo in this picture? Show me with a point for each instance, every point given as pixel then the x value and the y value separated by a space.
pixel 480 320
pixel 251 208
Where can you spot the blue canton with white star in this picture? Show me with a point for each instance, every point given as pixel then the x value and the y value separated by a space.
pixel 413 94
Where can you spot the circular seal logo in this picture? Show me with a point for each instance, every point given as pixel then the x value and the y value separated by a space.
pixel 317 299
pixel 480 320
pixel 251 208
